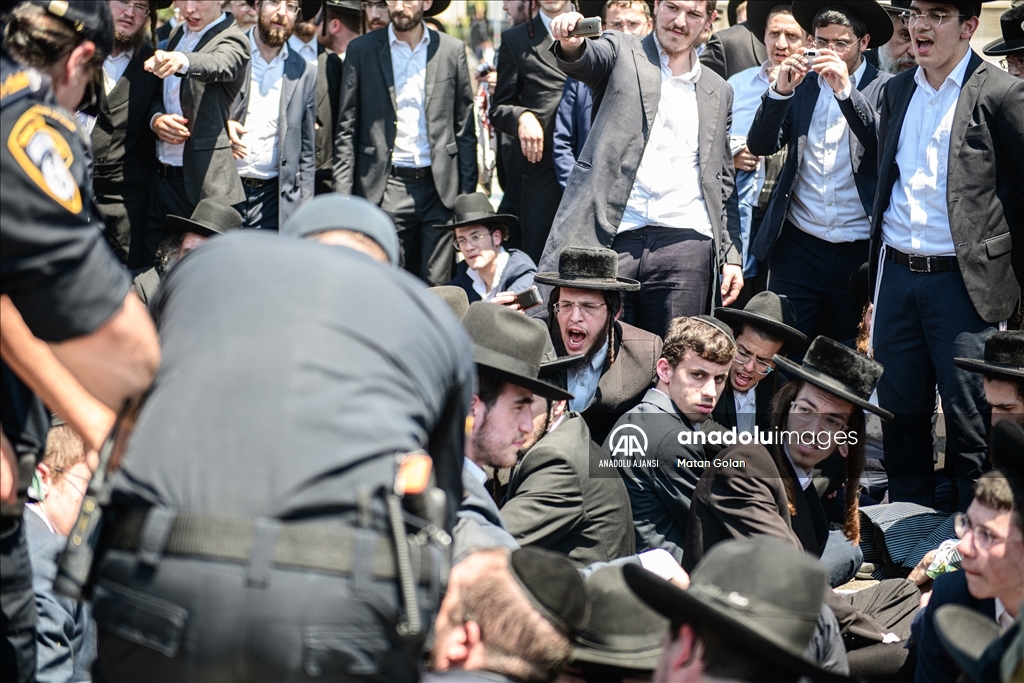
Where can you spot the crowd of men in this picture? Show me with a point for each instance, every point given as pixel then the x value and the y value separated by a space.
pixel 729 385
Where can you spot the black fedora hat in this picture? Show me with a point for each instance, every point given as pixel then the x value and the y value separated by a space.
pixel 977 645
pixel 1007 449
pixel 770 614
pixel 771 313
pixel 588 268
pixel 840 371
pixel 622 632
pixel 510 346
pixel 553 585
pixel 1004 357
pixel 210 217
pixel 1012 25
pixel 758 12
pixel 731 11
pixel 438 7
pixel 353 7
pixel 896 6
pixel 475 209
pixel 870 12
pixel 308 8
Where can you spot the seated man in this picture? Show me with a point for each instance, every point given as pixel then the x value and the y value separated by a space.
pixel 1003 374
pixel 511 615
pixel 489 272
pixel 992 546
pixel 763 329
pixel 583 317
pixel 692 372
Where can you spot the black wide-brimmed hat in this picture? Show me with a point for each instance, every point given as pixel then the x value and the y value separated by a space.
pixel 475 209
pixel 757 16
pixel 977 645
pixel 622 632
pixel 771 313
pixel 554 587
pixel 354 7
pixel 870 12
pixel 1004 357
pixel 732 9
pixel 438 7
pixel 1012 25
pixel 588 268
pixel 210 217
pixel 770 614
pixel 840 371
pixel 895 6
pixel 1007 451
pixel 510 346
pixel 91 19
pixel 308 10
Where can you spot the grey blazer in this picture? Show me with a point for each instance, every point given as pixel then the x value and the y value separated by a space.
pixel 557 499
pixel 478 523
pixel 296 132
pixel 625 75
pixel 217 69
pixel 732 50
pixel 367 122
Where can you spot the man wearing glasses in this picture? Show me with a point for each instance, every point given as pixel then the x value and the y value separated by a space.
pixel 815 231
pixel 945 227
pixel 1011 46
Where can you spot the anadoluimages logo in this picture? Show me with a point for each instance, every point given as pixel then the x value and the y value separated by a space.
pixel 628 441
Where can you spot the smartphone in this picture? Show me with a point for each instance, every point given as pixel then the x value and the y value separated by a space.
pixel 528 299
pixel 587 28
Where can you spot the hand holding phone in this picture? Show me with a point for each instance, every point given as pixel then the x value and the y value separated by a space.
pixel 528 299
pixel 587 28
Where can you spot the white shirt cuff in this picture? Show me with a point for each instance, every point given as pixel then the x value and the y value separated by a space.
pixel 845 93
pixel 776 95
pixel 155 117
pixel 184 69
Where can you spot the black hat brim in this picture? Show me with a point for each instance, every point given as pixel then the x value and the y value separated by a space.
pixel 560 363
pixel 181 225
pixel 757 17
pixel 503 221
pixel 494 365
pixel 823 381
pixel 1000 47
pixel 624 652
pixel 438 7
pixel 794 339
pixel 870 12
pixel 619 284
pixel 1010 374
pixel 673 602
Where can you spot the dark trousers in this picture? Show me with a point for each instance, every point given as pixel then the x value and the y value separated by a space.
pixel 815 276
pixel 168 198
pixel 17 605
pixel 923 321
pixel 416 208
pixel 674 268
pixel 539 202
pixel 260 208
pixel 124 206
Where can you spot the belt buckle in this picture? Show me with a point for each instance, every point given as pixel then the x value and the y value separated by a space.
pixel 917 259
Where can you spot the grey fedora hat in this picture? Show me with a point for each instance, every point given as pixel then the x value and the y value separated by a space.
pixel 1004 357
pixel 455 297
pixel 210 217
pixel 475 209
pixel 769 312
pixel 840 371
pixel 335 211
pixel 510 346
pixel 588 268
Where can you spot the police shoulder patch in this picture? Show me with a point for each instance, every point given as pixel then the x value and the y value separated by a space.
pixel 43 153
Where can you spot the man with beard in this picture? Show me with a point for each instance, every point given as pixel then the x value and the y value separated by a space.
pixel 203 70
pixel 303 38
pixel 122 142
pixel 276 107
pixel 243 12
pixel 897 55
pixel 342 24
pixel 377 15
pixel 407 142
pixel 618 360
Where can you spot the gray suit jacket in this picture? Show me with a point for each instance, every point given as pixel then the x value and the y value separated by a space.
pixel 625 75
pixel 295 132
pixel 557 499
pixel 478 524
pixel 732 50
pixel 217 69
pixel 367 123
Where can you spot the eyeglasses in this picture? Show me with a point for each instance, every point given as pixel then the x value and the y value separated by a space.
pixel 137 8
pixel 625 25
pixel 1014 63
pixel 476 240
pixel 760 367
pixel 983 538
pixel 587 308
pixel 367 4
pixel 395 3
pixel 804 414
pixel 291 8
pixel 840 47
pixel 931 17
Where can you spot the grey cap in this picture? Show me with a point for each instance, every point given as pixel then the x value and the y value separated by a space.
pixel 344 212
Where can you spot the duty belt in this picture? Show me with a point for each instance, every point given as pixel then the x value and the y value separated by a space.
pixel 298 545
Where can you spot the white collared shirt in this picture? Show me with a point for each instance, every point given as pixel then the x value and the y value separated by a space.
pixel 173 155
pixel 412 147
pixel 582 382
pixel 667 190
pixel 746 410
pixel 917 220
pixel 825 202
pixel 803 477
pixel 479 286
pixel 748 86
pixel 266 81
pixel 307 51
pixel 114 68
pixel 1003 618
pixel 475 470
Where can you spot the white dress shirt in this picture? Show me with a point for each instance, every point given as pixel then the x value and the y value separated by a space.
pixel 917 220
pixel 746 410
pixel 748 86
pixel 307 51
pixel 412 147
pixel 667 190
pixel 582 382
pixel 479 286
pixel 114 68
pixel 825 202
pixel 266 81
pixel 475 470
pixel 1003 618
pixel 173 155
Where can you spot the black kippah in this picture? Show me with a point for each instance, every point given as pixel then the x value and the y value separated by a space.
pixel 553 586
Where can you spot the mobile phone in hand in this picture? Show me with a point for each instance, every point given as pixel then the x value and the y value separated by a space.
pixel 528 299
pixel 587 28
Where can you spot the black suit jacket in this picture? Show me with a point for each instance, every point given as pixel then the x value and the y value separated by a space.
pixel 725 410
pixel 328 102
pixel 732 50
pixel 785 123
pixel 365 138
pixel 934 665
pixel 984 184
pixel 556 500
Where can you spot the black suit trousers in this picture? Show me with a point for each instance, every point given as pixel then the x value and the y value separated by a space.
pixel 541 195
pixel 124 206
pixel 416 208
pixel 168 198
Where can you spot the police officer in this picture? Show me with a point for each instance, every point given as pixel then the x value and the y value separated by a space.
pixel 59 280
